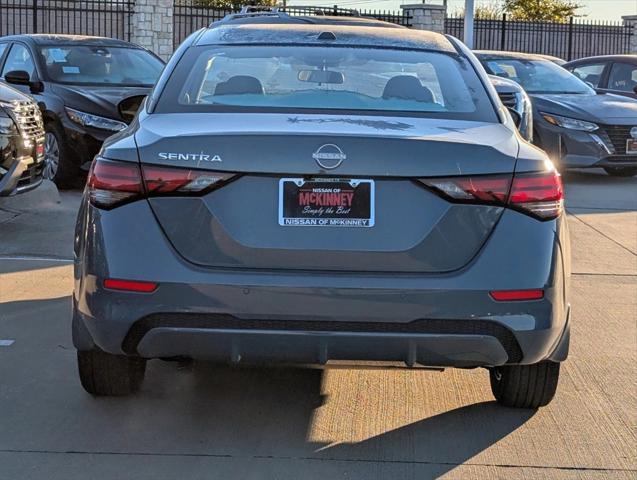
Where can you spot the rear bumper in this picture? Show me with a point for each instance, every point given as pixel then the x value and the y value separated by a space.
pixel 237 315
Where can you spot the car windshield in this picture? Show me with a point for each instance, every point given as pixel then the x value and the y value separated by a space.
pixel 95 65
pixel 538 76
pixel 316 78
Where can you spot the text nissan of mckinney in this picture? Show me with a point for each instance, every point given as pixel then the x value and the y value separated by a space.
pixel 352 192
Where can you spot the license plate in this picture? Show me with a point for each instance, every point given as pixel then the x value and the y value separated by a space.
pixel 631 146
pixel 326 202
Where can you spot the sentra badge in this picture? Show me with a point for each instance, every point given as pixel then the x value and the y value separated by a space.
pixel 191 157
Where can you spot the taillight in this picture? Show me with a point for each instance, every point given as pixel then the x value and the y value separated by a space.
pixel 478 189
pixel 171 181
pixel 538 194
pixel 112 183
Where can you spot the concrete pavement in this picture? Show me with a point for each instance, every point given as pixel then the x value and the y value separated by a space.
pixel 201 421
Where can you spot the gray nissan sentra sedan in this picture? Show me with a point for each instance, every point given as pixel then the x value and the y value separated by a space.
pixel 299 192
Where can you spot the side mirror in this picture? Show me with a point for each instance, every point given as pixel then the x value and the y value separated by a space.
pixel 21 77
pixel 18 77
pixel 517 118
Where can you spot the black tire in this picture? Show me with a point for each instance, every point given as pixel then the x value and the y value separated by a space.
pixel 525 386
pixel 66 172
pixel 104 374
pixel 621 171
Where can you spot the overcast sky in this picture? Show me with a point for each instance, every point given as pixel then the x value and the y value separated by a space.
pixel 593 9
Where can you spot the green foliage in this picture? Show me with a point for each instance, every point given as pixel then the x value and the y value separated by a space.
pixel 541 10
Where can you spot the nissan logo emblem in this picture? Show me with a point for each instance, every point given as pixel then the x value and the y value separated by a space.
pixel 633 132
pixel 329 156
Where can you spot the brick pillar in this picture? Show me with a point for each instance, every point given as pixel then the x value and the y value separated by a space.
pixel 427 16
pixel 152 26
pixel 631 20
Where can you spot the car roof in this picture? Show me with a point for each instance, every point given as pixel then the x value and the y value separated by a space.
pixel 344 33
pixel 621 58
pixel 520 55
pixel 55 39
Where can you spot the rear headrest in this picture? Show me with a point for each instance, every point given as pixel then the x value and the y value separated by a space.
pixel 239 84
pixel 407 87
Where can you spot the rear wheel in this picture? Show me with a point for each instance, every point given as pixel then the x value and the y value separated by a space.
pixel 621 171
pixel 525 386
pixel 104 374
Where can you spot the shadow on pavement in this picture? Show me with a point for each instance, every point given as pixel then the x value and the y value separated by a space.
pixel 443 441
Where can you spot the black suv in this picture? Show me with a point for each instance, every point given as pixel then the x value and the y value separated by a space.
pixel 21 142
pixel 87 87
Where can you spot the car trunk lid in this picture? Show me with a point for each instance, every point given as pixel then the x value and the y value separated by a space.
pixel 239 225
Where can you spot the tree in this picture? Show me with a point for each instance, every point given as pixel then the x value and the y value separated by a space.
pixel 484 11
pixel 541 10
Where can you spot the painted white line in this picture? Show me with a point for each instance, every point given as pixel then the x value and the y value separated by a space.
pixel 6 343
pixel 40 259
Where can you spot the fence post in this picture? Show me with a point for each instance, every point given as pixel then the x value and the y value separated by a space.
pixel 570 40
pixel 503 37
pixel 425 16
pixel 35 16
pixel 153 26
pixel 630 21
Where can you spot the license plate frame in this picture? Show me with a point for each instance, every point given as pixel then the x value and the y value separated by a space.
pixel 356 195
pixel 631 146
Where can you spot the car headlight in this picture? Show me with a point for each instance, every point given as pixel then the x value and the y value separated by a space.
pixel 89 120
pixel 570 123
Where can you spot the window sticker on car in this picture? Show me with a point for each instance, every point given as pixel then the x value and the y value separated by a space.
pixel 67 69
pixel 57 55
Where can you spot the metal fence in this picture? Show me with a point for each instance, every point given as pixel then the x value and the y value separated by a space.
pixel 399 18
pixel 188 16
pixel 575 39
pixel 86 17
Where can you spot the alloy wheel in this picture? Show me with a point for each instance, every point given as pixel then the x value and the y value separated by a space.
pixel 51 155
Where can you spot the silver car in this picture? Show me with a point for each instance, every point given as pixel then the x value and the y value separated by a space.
pixel 310 193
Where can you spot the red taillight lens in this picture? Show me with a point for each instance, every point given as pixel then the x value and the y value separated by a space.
pixel 517 295
pixel 537 194
pixel 170 181
pixel 111 183
pixel 130 285
pixel 540 194
pixel 478 189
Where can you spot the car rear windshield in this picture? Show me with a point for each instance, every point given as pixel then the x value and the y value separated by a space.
pixel 310 78
pixel 95 65
pixel 538 76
